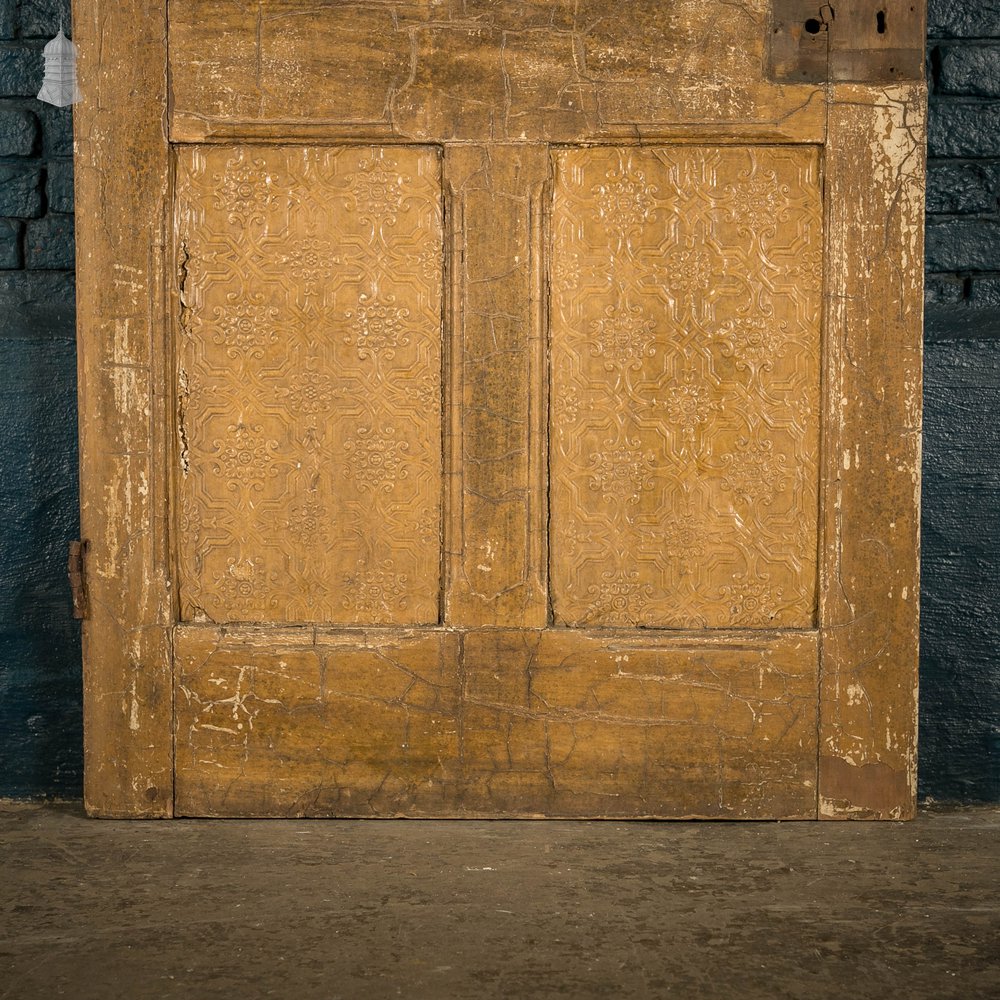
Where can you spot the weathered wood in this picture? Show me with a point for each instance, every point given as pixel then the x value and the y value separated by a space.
pixel 76 571
pixel 478 71
pixel 870 590
pixel 496 541
pixel 873 41
pixel 121 197
pixel 469 688
pixel 495 722
pixel 275 722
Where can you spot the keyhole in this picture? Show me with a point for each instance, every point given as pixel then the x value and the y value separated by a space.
pixel 812 26
pixel 880 22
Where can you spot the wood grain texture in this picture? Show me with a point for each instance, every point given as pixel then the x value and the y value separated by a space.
pixel 121 189
pixel 496 536
pixel 309 384
pixel 478 71
pixel 873 41
pixel 686 307
pixel 495 722
pixel 870 593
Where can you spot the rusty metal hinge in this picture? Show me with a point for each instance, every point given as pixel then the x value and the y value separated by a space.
pixel 78 579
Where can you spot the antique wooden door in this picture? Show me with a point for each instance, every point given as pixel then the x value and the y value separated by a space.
pixel 500 408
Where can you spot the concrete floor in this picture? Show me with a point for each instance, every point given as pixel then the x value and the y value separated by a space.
pixel 207 909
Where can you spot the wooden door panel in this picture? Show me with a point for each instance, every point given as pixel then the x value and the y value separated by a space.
pixel 429 348
pixel 574 722
pixel 283 249
pixel 314 722
pixel 685 331
pixel 478 70
pixel 309 384
pixel 555 722
pixel 523 719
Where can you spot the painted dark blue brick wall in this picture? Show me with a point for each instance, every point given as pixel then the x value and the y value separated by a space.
pixel 960 623
pixel 40 690
pixel 41 745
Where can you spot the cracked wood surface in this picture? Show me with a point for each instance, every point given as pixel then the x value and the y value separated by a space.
pixel 491 710
pixel 479 71
pixel 121 188
pixel 869 598
pixel 306 722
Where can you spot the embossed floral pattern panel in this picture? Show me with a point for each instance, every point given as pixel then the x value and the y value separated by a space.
pixel 309 384
pixel 685 328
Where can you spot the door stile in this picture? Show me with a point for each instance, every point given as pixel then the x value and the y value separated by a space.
pixel 871 463
pixel 453 249
pixel 122 160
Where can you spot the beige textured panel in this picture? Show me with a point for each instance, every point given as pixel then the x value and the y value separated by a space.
pixel 431 722
pixel 685 329
pixel 309 375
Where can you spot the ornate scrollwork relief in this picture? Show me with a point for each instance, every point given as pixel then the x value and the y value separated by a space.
pixel 310 384
pixel 685 329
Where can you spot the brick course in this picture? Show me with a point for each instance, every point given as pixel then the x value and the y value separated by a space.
pixel 36 144
pixel 42 18
pixel 11 234
pixel 18 132
pixel 963 170
pixel 971 69
pixel 963 19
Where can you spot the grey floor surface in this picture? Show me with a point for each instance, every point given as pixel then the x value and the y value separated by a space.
pixel 330 909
